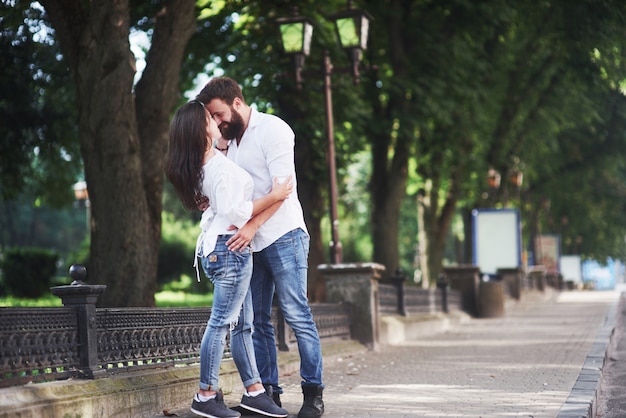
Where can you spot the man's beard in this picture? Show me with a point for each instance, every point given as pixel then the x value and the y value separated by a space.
pixel 233 129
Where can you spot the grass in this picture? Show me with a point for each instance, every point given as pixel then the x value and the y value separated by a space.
pixel 164 299
pixel 179 299
pixel 174 295
pixel 49 300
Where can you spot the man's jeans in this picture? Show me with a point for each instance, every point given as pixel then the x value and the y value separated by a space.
pixel 283 266
pixel 230 273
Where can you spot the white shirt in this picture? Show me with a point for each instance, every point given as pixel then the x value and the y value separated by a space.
pixel 266 151
pixel 229 189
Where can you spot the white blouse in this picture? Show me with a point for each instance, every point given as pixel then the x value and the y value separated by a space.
pixel 229 189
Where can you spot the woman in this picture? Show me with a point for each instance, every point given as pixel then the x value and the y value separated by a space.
pixel 198 172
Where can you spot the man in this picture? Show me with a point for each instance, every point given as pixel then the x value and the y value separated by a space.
pixel 263 145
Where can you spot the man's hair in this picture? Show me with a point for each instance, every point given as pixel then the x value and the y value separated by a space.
pixel 223 88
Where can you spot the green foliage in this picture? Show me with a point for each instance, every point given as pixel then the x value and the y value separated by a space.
pixel 25 222
pixel 178 244
pixel 43 301
pixel 169 299
pixel 27 272
pixel 354 219
pixel 39 142
pixel 461 85
pixel 185 292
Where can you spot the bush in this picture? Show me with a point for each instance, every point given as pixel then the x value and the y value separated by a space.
pixel 178 242
pixel 175 258
pixel 26 272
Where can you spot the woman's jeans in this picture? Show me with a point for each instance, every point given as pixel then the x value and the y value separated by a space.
pixel 283 266
pixel 230 273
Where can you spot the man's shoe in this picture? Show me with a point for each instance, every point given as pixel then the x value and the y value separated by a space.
pixel 313 406
pixel 263 404
pixel 213 408
pixel 274 395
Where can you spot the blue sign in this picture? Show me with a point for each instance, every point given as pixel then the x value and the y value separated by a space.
pixel 602 276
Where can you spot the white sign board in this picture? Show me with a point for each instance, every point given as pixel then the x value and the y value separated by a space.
pixel 496 239
pixel 570 267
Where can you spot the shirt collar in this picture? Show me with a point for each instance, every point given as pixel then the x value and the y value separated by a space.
pixel 255 117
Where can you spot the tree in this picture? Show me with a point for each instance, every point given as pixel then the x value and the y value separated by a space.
pixel 460 86
pixel 246 48
pixel 475 85
pixel 123 132
pixel 39 156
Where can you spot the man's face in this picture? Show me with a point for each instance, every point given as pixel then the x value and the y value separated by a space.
pixel 228 118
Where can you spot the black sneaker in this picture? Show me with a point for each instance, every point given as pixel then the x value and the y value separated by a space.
pixel 263 404
pixel 213 408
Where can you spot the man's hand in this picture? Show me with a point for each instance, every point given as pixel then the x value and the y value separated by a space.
pixel 242 238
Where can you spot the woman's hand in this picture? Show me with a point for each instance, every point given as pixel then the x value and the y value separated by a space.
pixel 282 190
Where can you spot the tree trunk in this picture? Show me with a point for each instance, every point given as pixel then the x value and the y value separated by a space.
pixel 122 150
pixel 387 187
pixel 422 240
pixel 438 217
pixel 313 207
pixel 437 226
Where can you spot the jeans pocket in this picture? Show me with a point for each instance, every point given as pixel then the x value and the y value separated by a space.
pixel 215 264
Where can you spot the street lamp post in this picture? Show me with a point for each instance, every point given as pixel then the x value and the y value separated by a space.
pixel 336 249
pixel 296 32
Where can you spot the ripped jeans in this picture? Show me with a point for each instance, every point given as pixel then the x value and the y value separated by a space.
pixel 230 272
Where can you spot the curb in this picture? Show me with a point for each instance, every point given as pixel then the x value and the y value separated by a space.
pixel 583 399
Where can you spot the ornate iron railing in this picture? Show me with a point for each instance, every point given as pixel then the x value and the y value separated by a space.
pixel 133 338
pixel 37 344
pixel 79 340
pixel 42 344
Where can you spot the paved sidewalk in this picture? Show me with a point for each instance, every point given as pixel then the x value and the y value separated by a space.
pixel 525 364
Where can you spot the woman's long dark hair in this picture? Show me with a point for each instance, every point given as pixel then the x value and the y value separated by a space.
pixel 188 143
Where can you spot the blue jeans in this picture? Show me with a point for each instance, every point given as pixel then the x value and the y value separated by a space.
pixel 230 272
pixel 283 267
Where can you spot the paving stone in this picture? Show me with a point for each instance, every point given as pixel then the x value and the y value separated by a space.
pixel 542 359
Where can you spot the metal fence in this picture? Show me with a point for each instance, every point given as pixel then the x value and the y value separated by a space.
pixel 43 344
pixel 400 299
pixel 80 340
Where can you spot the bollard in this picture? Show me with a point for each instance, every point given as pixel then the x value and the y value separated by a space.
pixel 466 279
pixel 443 285
pixel 398 280
pixel 83 298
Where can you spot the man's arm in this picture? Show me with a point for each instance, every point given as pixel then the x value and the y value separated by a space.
pixel 246 232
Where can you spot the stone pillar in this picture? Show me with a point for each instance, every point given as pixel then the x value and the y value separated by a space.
pixel 83 298
pixel 466 279
pixel 512 280
pixel 357 285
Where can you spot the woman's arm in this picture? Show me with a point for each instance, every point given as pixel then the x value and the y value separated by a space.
pixel 264 207
pixel 280 192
